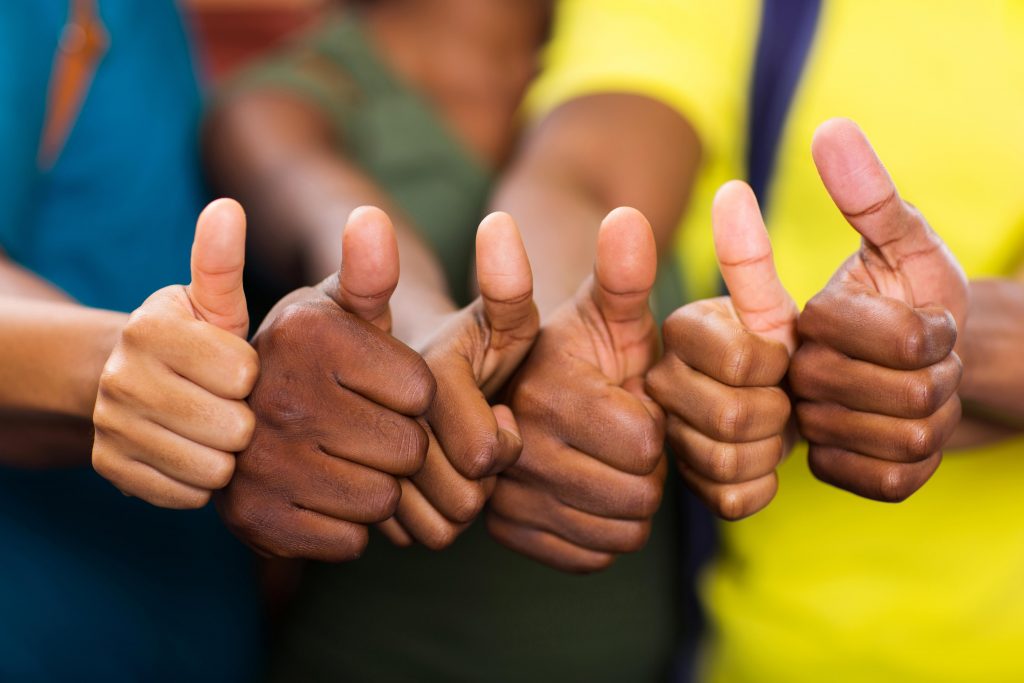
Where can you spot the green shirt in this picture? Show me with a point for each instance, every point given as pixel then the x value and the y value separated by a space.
pixel 475 611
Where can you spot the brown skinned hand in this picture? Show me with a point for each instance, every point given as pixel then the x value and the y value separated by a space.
pixel 170 412
pixel 471 354
pixel 592 470
pixel 725 358
pixel 336 407
pixel 877 373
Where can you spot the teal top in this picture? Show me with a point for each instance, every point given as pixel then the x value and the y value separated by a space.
pixel 95 586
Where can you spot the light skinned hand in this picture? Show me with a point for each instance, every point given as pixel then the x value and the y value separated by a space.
pixel 170 412
pixel 719 380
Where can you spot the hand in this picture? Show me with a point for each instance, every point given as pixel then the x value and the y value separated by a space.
pixel 724 361
pixel 877 374
pixel 170 412
pixel 336 407
pixel 471 356
pixel 591 474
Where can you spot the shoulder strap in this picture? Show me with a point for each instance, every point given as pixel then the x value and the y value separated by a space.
pixel 787 31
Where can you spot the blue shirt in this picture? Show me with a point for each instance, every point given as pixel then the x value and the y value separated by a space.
pixel 93 585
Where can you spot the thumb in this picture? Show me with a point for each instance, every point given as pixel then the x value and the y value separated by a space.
pixel 505 278
pixel 218 258
pixel 625 267
pixel 745 260
pixel 369 266
pixel 864 192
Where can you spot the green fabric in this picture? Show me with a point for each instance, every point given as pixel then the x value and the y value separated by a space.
pixel 391 133
pixel 476 611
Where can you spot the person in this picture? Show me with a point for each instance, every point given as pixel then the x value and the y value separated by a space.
pixel 820 584
pixel 410 107
pixel 99 195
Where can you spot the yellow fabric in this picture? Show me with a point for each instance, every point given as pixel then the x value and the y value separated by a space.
pixel 824 586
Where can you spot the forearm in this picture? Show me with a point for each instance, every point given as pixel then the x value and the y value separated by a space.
pixel 53 354
pixel 992 389
pixel 558 220
pixel 278 157
pixel 586 158
pixel 34 440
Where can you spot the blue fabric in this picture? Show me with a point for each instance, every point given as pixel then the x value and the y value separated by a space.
pixel 112 221
pixel 787 30
pixel 95 586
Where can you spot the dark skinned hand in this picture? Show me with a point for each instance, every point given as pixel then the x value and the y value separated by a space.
pixel 336 406
pixel 725 358
pixel 592 470
pixel 471 354
pixel 877 374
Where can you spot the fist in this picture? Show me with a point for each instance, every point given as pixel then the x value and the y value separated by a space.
pixel 336 407
pixel 877 373
pixel 719 379
pixel 170 412
pixel 591 474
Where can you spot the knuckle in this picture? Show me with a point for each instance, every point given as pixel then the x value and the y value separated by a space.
pixel 531 396
pixel 240 428
pixel 141 328
pixel 468 503
pixel 480 456
pixel 729 503
pixel 914 343
pixel 411 452
pixel 246 371
pixel 382 497
pixel 922 395
pixel 635 536
pixel 895 485
pixel 730 419
pixel 106 463
pixel 116 384
pixel 647 497
pixel 220 471
pixel 724 463
pixel 921 440
pixel 737 361
pixel 439 536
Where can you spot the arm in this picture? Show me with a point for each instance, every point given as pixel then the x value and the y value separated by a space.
pixel 278 154
pixel 586 158
pixel 53 351
pixel 992 388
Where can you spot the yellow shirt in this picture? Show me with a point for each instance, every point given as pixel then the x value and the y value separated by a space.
pixel 822 585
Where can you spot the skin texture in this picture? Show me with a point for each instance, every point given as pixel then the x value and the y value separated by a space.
pixel 471 356
pixel 170 410
pixel 592 470
pixel 337 404
pixel 877 372
pixel 725 358
pixel 591 473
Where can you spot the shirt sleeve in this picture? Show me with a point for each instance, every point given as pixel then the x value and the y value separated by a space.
pixel 692 55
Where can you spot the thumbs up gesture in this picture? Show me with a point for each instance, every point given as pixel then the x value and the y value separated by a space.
pixel 724 360
pixel 877 373
pixel 591 472
pixel 170 412
pixel 336 406
pixel 471 355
